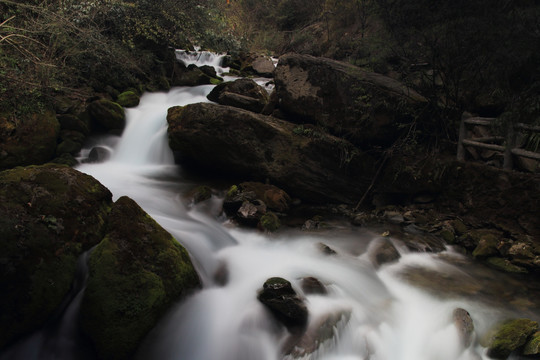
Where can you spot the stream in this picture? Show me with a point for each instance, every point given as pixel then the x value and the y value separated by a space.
pixel 400 311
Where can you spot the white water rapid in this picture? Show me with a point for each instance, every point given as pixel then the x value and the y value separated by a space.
pixel 367 313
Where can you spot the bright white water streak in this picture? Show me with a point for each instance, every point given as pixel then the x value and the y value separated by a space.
pixel 381 317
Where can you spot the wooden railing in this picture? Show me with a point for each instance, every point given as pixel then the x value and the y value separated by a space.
pixel 503 144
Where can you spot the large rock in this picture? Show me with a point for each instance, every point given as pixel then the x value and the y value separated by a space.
pixel 362 106
pixel 242 93
pixel 192 76
pixel 49 215
pixel 263 66
pixel 136 273
pixel 280 298
pixel 314 166
pixel 28 141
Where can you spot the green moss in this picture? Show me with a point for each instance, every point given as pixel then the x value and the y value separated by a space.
pixel 510 336
pixel 448 236
pixel 269 222
pixel 487 246
pixel 233 190
pixel 128 99
pixel 505 265
pixel 136 273
pixel 215 81
pixel 532 347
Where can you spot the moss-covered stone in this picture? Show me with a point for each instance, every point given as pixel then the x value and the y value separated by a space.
pixel 200 193
pixel 48 215
pixel 128 99
pixel 106 115
pixel 136 273
pixel 487 245
pixel 269 222
pixel 31 141
pixel 68 146
pixel 532 347
pixel 510 336
pixel 505 265
pixel 73 122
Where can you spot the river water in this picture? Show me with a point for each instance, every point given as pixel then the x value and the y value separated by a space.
pixel 401 311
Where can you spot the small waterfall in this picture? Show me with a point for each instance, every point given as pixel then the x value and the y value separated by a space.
pixel 201 58
pixel 377 314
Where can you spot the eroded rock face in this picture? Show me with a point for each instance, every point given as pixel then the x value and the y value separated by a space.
pixel 361 106
pixel 49 215
pixel 136 273
pixel 318 168
pixel 280 298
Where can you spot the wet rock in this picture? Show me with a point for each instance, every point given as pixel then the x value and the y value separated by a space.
pixel 269 222
pixel 382 251
pixel 68 147
pixel 510 336
pixel 263 66
pixel 135 274
pixel 49 215
pixel 275 198
pixel 242 93
pixel 362 106
pixel 241 101
pixel 192 76
pixel 98 154
pixel 250 212
pixel 106 115
pixel 505 265
pixel 487 246
pixel 320 330
pixel 311 285
pixel 234 141
pixel 464 325
pixel 280 298
pixel 128 99
pixel 532 347
pixel 200 194
pixel 31 142
pixel 325 249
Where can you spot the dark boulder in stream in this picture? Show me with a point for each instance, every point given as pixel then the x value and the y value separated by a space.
pixel 49 215
pixel 224 139
pixel 280 298
pixel 136 273
pixel 242 93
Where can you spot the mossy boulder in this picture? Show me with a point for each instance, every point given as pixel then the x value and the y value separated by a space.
pixel 199 194
pixel 240 143
pixel 269 222
pixel 532 347
pixel 136 273
pixel 510 336
pixel 106 115
pixel 49 215
pixel 192 76
pixel 128 99
pixel 28 141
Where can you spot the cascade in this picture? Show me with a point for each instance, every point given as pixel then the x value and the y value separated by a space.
pixel 379 316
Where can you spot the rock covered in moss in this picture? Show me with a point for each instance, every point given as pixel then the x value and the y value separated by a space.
pixel 107 115
pixel 224 139
pixel 136 273
pixel 28 141
pixel 532 347
pixel 49 215
pixel 510 336
pixel 128 99
pixel 269 222
pixel 199 194
pixel 280 298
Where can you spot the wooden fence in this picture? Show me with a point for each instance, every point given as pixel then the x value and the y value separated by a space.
pixel 506 145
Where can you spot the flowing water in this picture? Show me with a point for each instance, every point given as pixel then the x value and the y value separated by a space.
pixel 401 311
